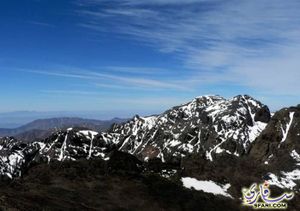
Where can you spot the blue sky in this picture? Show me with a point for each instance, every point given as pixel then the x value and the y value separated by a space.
pixel 133 56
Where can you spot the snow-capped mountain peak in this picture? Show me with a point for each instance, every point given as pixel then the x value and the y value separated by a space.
pixel 200 126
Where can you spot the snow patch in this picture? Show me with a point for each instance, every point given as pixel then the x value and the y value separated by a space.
pixel 150 121
pixel 255 130
pixel 287 128
pixel 295 155
pixel 63 149
pixel 89 133
pixel 206 186
pixel 287 180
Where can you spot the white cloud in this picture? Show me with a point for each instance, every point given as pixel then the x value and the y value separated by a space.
pixel 249 43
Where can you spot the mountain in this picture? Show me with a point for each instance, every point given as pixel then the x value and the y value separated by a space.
pixel 209 126
pixel 227 144
pixel 42 128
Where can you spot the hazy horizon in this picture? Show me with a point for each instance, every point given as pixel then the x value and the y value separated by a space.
pixel 15 119
pixel 19 118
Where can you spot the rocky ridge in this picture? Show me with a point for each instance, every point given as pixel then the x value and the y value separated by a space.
pixel 198 138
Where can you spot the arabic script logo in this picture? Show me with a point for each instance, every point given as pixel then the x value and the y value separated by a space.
pixel 258 196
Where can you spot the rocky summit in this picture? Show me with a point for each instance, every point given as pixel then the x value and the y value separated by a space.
pixel 208 126
pixel 224 143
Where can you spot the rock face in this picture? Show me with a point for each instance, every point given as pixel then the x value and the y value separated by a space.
pixel 73 144
pixel 278 147
pixel 15 157
pixel 281 134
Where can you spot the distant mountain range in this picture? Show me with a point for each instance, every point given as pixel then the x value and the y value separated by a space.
pixel 19 118
pixel 42 128
pixel 154 161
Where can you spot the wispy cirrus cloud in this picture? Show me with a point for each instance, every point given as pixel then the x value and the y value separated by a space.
pixel 250 43
pixel 138 70
pixel 70 92
pixel 117 81
pixel 39 23
pixel 144 2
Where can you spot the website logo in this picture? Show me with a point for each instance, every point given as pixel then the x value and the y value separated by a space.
pixel 259 197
